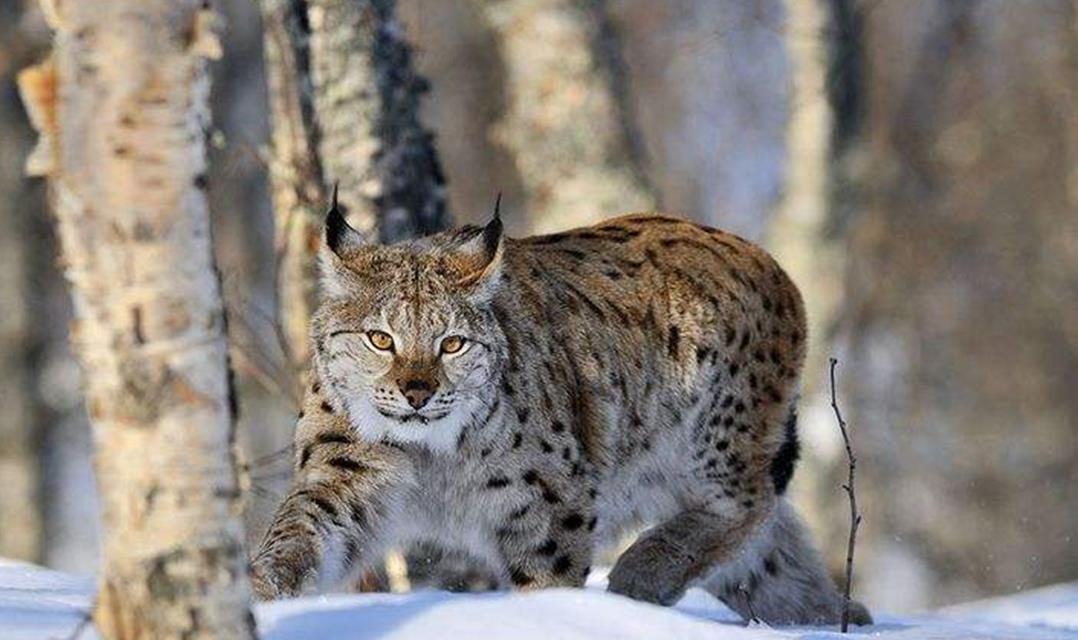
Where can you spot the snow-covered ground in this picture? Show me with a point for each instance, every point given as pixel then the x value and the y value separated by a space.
pixel 37 603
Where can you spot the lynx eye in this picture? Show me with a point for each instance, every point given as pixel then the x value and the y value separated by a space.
pixel 381 340
pixel 452 344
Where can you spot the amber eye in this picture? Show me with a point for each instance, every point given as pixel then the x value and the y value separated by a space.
pixel 452 344
pixel 381 340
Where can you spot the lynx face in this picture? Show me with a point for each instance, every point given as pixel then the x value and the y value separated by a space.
pixel 405 338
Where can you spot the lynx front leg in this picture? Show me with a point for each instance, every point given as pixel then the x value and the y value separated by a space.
pixel 334 515
pixel 548 542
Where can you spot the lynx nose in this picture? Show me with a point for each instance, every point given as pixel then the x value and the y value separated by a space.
pixel 418 392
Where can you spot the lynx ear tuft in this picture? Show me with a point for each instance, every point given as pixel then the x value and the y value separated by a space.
pixel 478 257
pixel 492 233
pixel 341 238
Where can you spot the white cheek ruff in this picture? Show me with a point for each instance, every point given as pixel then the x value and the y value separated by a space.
pixel 437 435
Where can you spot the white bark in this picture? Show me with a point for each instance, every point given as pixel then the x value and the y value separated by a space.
pixel 562 122
pixel 123 146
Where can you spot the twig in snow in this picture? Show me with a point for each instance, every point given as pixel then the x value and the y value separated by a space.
pixel 855 516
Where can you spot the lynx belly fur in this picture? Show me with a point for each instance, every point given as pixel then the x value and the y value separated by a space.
pixel 526 400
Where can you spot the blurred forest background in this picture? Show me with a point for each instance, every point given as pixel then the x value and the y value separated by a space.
pixel 913 163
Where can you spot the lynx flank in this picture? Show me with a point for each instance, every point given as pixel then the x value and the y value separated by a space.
pixel 528 400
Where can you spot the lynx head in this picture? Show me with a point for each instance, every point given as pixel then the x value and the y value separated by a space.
pixel 405 338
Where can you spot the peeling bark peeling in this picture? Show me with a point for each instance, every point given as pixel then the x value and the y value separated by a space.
pixel 366 98
pixel 562 122
pixel 127 187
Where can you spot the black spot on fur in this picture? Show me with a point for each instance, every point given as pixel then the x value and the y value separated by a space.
pixel 329 438
pixel 324 505
pixel 770 567
pixel 345 464
pixel 782 465
pixel 517 439
pixel 562 564
pixel 326 407
pixel 498 482
pixel 547 548
pixel 673 338
pixel 572 522
pixel 531 476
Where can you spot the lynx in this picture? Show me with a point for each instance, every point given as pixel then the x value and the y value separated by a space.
pixel 527 400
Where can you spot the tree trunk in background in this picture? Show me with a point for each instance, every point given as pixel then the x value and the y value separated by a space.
pixel 123 146
pixel 21 502
pixel 366 100
pixel 566 121
pixel 297 185
pixel 962 300
pixel 798 234
pixel 822 42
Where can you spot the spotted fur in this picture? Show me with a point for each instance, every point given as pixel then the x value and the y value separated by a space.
pixel 639 371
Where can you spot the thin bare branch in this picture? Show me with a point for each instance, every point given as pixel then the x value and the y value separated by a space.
pixel 855 516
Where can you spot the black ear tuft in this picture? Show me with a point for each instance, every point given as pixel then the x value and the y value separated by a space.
pixel 492 233
pixel 339 234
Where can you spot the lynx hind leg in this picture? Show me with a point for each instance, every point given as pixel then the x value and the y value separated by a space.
pixel 779 578
pixel 661 564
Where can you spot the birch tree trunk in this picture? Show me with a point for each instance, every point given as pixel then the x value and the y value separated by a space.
pixel 563 122
pixel 122 108
pixel 366 99
pixel 297 184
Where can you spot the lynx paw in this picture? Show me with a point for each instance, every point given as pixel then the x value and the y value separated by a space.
pixel 275 576
pixel 651 570
pixel 859 614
